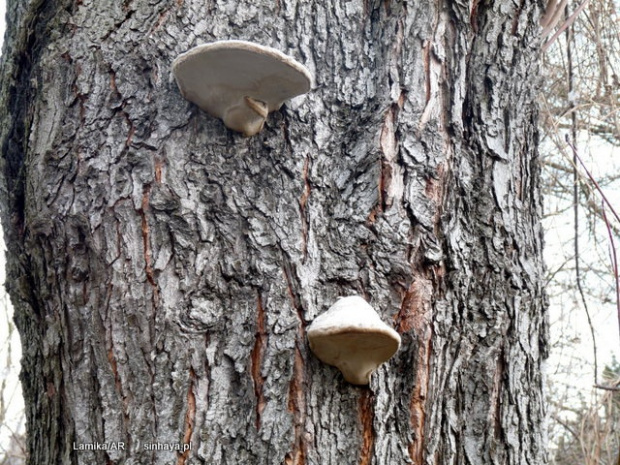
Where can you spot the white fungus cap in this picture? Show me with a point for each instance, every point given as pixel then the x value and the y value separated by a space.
pixel 239 82
pixel 351 336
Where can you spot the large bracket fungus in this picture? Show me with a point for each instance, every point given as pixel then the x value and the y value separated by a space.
pixel 351 336
pixel 239 82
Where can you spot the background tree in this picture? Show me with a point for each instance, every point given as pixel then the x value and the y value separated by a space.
pixel 581 102
pixel 587 432
pixel 164 269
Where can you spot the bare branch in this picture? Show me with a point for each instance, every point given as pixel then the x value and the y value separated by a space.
pixel 565 25
pixel 607 388
pixel 552 16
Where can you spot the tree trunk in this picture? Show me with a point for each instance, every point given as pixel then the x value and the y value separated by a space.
pixel 164 269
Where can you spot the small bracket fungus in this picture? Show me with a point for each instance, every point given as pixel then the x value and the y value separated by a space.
pixel 239 82
pixel 351 336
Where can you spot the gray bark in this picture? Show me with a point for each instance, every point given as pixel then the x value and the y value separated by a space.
pixel 164 269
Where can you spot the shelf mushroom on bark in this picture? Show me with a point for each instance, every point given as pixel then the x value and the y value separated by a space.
pixel 239 82
pixel 351 336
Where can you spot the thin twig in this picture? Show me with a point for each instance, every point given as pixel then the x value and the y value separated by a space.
pixel 591 178
pixel 614 262
pixel 566 426
pixel 569 41
pixel 584 301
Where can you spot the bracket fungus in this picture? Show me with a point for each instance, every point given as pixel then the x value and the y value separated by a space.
pixel 239 82
pixel 351 336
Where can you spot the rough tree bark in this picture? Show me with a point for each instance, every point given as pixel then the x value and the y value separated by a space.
pixel 164 269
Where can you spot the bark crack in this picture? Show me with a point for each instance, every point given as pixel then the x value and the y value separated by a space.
pixel 296 393
pixel 433 72
pixel 190 417
pixel 118 386
pixel 297 406
pixel 391 181
pixel 367 417
pixel 148 267
pixel 473 17
pixel 258 353
pixel 415 316
pixel 303 202
pixel 158 169
pixel 495 413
